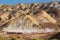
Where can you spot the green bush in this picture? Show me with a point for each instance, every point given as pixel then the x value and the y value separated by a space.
pixel 13 39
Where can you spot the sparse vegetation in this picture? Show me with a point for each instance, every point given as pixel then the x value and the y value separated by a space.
pixel 13 39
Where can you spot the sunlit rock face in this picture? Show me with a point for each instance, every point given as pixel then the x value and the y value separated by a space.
pixel 33 20
pixel 22 25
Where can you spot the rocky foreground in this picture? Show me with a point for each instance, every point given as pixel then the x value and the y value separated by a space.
pixel 28 21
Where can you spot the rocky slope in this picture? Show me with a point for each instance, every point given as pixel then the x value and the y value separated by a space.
pixel 30 18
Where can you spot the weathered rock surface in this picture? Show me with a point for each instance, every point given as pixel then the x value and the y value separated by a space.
pixel 30 18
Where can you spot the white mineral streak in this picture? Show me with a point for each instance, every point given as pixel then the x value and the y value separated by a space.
pixel 24 26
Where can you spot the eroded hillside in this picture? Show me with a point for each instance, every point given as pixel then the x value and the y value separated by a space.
pixel 30 18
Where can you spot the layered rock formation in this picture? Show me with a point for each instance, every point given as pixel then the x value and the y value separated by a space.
pixel 30 18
